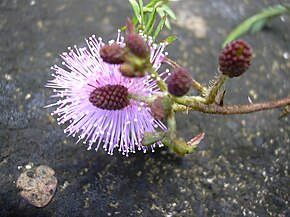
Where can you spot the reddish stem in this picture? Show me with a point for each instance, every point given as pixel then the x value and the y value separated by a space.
pixel 235 109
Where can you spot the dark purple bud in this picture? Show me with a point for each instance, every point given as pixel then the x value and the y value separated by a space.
pixel 235 58
pixel 179 82
pixel 137 45
pixel 130 28
pixel 113 53
pixel 160 108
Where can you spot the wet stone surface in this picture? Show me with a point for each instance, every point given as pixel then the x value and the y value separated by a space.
pixel 241 168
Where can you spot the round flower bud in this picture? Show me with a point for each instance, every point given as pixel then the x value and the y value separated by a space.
pixel 137 45
pixel 160 107
pixel 235 58
pixel 179 82
pixel 112 53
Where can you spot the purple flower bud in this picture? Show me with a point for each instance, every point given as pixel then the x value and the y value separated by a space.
pixel 130 28
pixel 235 58
pixel 137 45
pixel 160 107
pixel 113 53
pixel 179 82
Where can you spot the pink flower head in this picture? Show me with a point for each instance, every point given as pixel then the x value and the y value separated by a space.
pixel 83 72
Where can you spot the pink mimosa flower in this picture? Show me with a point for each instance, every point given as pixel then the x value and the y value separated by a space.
pixel 84 71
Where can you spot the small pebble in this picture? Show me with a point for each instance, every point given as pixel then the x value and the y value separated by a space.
pixel 37 184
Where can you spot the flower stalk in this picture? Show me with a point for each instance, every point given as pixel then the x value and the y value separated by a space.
pixel 186 105
pixel 215 88
pixel 146 99
pixel 155 76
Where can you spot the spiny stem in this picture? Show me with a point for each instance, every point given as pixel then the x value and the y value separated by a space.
pixel 189 100
pixel 172 125
pixel 213 91
pixel 231 110
pixel 199 87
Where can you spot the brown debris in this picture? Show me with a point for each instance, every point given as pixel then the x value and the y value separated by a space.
pixel 38 185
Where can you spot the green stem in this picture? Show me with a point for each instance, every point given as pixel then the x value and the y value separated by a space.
pixel 146 99
pixel 155 76
pixel 214 89
pixel 199 87
pixel 167 143
pixel 189 100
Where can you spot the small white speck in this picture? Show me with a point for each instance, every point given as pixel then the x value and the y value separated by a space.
pixel 286 55
pixel 209 180
pixel 7 77
pixel 283 19
pixel 250 100
pixel 28 166
pixel 28 96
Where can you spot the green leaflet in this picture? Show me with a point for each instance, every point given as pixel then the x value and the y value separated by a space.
pixel 146 16
pixel 136 10
pixel 160 26
pixel 152 18
pixel 170 39
pixel 256 22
